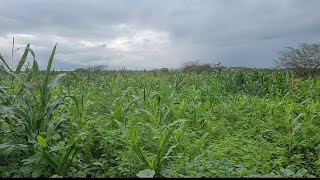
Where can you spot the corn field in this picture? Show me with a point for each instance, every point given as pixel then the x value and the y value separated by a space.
pixel 157 124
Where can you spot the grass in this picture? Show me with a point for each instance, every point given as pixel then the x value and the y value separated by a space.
pixel 157 124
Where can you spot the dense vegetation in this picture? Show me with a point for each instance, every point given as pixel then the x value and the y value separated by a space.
pixel 158 124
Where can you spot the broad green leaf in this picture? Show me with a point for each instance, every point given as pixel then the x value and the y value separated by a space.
pixel 301 172
pixel 36 173
pixel 58 79
pixel 169 151
pixel 287 172
pixel 177 121
pixel 98 164
pixel 42 141
pixel 46 78
pixel 23 59
pixel 57 124
pixel 147 173
pixel 121 126
pixel 52 106
pixel 5 63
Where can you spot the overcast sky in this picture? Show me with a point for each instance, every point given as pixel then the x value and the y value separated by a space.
pixel 147 34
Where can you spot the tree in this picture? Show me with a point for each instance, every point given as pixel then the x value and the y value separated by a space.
pixel 218 66
pixel 190 64
pixel 98 68
pixel 195 66
pixel 305 59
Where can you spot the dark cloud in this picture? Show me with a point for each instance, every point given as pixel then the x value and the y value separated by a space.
pixel 148 34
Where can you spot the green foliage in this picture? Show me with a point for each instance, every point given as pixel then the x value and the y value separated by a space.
pixel 157 124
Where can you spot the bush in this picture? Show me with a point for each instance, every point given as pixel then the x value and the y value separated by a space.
pixel 305 59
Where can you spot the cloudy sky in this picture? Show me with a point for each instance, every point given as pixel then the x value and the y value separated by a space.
pixel 147 34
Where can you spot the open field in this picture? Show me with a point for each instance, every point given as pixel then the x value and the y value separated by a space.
pixel 162 124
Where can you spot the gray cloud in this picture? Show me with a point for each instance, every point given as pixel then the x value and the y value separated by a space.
pixel 139 34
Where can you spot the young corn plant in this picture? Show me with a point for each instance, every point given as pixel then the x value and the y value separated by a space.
pixel 60 161
pixel 153 165
pixel 292 126
pixel 35 105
